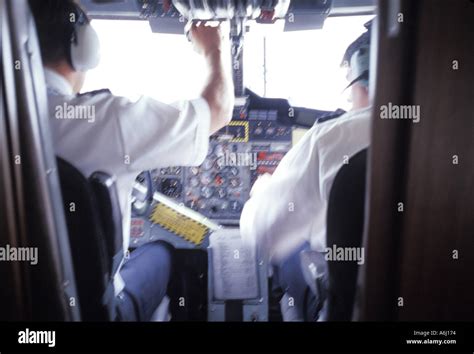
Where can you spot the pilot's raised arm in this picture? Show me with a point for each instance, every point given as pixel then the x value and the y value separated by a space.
pixel 99 131
pixel 287 211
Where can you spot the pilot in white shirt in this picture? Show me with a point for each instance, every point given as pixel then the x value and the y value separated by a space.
pixel 123 138
pixel 287 210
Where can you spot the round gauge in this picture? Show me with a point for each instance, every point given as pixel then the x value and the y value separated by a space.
pixel 221 193
pixel 234 171
pixel 235 206
pixel 235 182
pixel 207 192
pixel 206 178
pixel 194 181
pixel 220 180
pixel 194 171
pixel 208 163
pixel 220 149
pixel 171 187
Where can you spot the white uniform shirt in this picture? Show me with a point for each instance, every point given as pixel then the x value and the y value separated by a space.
pixel 289 207
pixel 123 138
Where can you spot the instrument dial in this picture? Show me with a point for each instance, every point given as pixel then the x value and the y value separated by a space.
pixel 220 180
pixel 207 192
pixel 221 193
pixel 206 178
pixel 235 182
pixel 208 163
pixel 234 171
pixel 194 181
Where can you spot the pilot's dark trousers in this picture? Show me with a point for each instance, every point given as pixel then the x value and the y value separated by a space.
pixel 288 276
pixel 146 275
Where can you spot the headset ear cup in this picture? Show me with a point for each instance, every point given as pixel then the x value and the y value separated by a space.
pixel 85 53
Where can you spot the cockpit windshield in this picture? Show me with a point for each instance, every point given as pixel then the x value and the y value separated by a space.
pixel 301 66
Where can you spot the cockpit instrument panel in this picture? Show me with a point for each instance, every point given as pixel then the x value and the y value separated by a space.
pixel 253 144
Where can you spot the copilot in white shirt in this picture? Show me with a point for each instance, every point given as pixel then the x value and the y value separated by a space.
pixel 289 207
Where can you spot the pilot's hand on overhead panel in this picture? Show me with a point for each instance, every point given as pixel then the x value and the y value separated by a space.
pixel 209 38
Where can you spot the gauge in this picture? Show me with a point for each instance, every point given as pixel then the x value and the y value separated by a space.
pixel 220 149
pixel 206 178
pixel 234 171
pixel 207 192
pixel 194 181
pixel 171 187
pixel 235 182
pixel 220 164
pixel 220 180
pixel 208 163
pixel 221 193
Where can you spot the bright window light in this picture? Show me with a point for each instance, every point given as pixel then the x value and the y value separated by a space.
pixel 303 67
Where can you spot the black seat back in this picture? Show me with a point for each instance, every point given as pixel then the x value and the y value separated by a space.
pixel 345 224
pixel 94 225
pixel 105 192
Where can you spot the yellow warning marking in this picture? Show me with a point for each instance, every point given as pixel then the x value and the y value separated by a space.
pixel 184 227
pixel 247 132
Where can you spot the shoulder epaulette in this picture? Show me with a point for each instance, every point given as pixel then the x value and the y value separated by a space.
pixel 93 93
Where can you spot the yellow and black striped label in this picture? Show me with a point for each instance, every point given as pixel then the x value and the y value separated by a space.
pixel 179 224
